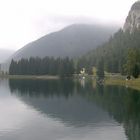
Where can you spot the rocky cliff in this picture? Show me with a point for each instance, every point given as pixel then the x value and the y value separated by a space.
pixel 133 18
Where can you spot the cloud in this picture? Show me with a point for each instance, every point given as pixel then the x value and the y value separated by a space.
pixel 22 21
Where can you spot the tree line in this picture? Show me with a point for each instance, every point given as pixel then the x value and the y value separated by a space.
pixel 42 66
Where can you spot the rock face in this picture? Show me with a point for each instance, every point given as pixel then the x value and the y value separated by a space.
pixel 133 19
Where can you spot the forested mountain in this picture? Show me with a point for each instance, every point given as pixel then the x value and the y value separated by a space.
pixel 114 52
pixel 71 41
pixel 121 54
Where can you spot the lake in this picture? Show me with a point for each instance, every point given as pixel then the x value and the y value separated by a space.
pixel 67 110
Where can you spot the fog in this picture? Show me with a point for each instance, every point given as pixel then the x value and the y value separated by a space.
pixel 25 21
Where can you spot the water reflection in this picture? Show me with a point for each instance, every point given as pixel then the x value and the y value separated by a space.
pixel 76 105
pixel 60 99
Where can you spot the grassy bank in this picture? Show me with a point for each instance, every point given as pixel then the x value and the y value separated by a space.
pixel 120 80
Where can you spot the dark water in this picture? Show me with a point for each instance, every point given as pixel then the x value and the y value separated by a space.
pixel 67 110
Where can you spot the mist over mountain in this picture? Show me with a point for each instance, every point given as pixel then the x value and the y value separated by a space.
pixel 72 41
pixel 5 54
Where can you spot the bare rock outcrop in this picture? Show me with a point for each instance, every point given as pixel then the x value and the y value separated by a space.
pixel 133 19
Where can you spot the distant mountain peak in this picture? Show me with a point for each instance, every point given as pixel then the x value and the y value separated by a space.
pixel 136 5
pixel 71 41
pixel 133 19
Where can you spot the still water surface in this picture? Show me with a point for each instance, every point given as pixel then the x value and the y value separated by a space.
pixel 67 110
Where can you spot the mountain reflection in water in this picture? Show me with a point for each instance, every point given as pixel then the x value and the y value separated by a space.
pixel 78 106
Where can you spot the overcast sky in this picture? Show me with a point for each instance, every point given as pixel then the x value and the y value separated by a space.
pixel 22 21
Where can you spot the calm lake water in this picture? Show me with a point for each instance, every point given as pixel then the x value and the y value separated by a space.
pixel 67 110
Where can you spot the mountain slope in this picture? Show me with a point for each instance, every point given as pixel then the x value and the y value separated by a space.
pixel 72 41
pixel 116 50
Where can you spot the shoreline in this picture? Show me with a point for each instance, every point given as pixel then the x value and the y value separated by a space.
pixel 133 83
pixel 42 77
pixel 109 80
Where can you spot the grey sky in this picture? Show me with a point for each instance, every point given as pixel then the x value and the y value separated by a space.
pixel 22 21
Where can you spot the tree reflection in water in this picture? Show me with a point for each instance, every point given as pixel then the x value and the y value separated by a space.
pixel 123 104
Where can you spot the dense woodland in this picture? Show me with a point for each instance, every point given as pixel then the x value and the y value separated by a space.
pixel 44 66
pixel 121 54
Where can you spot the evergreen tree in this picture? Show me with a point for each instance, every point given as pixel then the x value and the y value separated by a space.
pixel 100 69
pixel 132 65
pixel 45 66
pixel 135 71
pixel 115 53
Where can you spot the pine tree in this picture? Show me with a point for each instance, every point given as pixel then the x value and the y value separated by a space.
pixel 132 65
pixel 37 66
pixel 135 71
pixel 100 69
